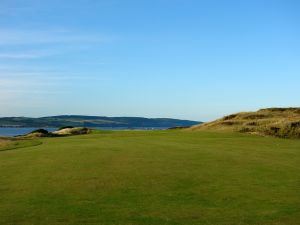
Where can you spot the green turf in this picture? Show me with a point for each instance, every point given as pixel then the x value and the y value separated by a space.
pixel 152 177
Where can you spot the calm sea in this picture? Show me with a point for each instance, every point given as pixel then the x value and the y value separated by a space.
pixel 9 132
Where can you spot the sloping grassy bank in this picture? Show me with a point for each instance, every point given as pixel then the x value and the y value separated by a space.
pixel 278 122
pixel 152 177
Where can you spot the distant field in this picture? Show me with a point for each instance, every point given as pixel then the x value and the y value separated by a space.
pixel 151 177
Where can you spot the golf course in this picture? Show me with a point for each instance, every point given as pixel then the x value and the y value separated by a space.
pixel 149 112
pixel 151 177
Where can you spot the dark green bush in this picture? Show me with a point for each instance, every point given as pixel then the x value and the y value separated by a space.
pixel 42 131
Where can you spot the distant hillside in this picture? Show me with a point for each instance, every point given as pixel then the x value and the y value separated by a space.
pixel 92 121
pixel 279 122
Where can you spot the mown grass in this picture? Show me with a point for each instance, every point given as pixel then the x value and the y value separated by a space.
pixel 152 177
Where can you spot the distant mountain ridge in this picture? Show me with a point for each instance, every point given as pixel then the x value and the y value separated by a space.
pixel 93 121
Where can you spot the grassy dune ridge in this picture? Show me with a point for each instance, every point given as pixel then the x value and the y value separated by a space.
pixel 278 122
pixel 152 177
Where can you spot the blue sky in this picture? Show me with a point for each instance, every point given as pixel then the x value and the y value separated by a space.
pixel 186 59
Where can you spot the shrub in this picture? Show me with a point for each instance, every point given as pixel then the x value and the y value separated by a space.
pixel 245 130
pixel 230 117
pixel 295 124
pixel 251 124
pixel 228 123
pixel 255 116
pixel 42 131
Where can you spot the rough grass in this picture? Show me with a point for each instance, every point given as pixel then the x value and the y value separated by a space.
pixel 152 177
pixel 15 143
pixel 278 122
pixel 4 143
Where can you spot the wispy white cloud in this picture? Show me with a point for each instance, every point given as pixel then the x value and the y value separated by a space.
pixel 24 55
pixel 17 89
pixel 43 75
pixel 8 82
pixel 15 10
pixel 37 89
pixel 15 68
pixel 25 83
pixel 21 83
pixel 41 80
pixel 38 79
pixel 51 36
pixel 35 44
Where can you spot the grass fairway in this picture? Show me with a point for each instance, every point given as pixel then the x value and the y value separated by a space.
pixel 152 177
